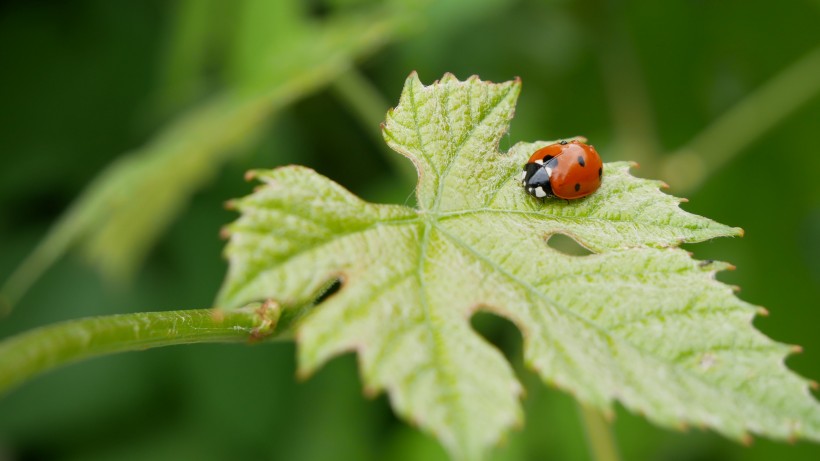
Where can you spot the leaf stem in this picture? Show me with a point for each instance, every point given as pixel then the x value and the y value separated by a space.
pixel 744 123
pixel 601 442
pixel 28 354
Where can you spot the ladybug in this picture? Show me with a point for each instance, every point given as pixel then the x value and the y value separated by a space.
pixel 567 170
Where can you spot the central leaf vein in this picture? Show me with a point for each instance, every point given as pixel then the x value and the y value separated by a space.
pixel 439 350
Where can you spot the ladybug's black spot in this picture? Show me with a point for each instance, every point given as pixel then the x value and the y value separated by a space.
pixel 547 158
pixel 581 160
pixel 600 172
pixel 577 187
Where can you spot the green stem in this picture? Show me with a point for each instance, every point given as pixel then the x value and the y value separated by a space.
pixel 28 354
pixel 599 435
pixel 744 123
pixel 634 128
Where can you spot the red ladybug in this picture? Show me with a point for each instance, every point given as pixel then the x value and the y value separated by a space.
pixel 566 170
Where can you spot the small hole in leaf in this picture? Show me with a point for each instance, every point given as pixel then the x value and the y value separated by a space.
pixel 500 332
pixel 331 290
pixel 566 245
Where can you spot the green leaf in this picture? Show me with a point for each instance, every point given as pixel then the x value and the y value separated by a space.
pixel 638 321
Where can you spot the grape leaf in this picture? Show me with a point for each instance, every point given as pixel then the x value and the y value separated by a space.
pixel 638 320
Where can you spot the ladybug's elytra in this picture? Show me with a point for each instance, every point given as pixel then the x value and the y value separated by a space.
pixel 567 170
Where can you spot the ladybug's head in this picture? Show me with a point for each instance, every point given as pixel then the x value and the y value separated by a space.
pixel 536 179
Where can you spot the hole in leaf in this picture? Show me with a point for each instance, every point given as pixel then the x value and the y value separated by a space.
pixel 501 333
pixel 331 289
pixel 567 245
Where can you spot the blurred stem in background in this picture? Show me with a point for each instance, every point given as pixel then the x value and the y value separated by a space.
pixel 688 167
pixel 599 435
pixel 188 48
pixel 757 113
pixel 633 126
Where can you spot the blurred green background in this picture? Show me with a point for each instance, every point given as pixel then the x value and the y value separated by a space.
pixel 125 125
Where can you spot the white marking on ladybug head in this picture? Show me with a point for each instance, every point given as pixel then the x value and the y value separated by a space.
pixel 539 192
pixel 539 162
pixel 549 171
